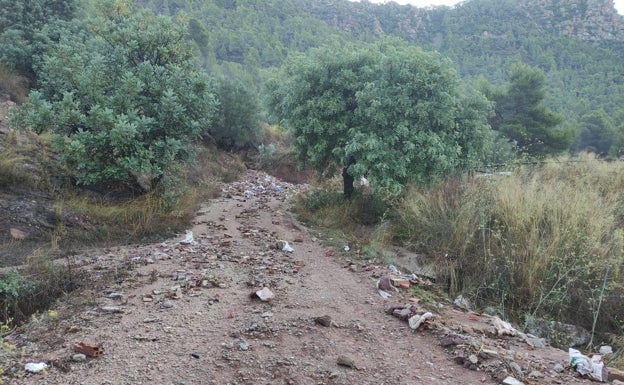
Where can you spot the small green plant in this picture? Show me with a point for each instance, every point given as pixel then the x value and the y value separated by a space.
pixel 424 295
pixel 34 288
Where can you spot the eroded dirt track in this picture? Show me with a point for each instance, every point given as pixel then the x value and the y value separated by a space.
pixel 188 313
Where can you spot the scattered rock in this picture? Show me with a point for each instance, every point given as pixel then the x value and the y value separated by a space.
pixel 79 357
pixel 115 295
pixel 167 304
pixel 18 234
pixel 323 321
pixel 536 374
pixel 512 381
pixel 111 309
pixel 558 368
pixel 346 361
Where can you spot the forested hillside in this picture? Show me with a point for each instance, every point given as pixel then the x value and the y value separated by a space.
pixel 579 45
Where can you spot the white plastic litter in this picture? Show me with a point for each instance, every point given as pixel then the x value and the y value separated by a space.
pixel 418 319
pixel 287 247
pixel 188 239
pixel 35 367
pixel 592 367
pixel 346 248
pixel 265 294
pixel 384 294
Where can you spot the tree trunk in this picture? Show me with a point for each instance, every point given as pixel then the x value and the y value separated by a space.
pixel 347 182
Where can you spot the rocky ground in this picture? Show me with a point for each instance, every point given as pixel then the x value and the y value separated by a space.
pixel 235 305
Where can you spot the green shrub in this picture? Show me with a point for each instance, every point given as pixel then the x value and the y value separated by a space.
pixel 34 288
pixel 124 99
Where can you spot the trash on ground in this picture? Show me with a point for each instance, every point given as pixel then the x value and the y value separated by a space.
pixel 503 328
pixel 605 349
pixel 346 248
pixel 188 239
pixel 420 322
pixel 591 366
pixel 284 246
pixel 265 294
pixel 35 367
pixel 385 283
pixel 287 248
pixel 462 302
pixel 88 350
pixel 417 318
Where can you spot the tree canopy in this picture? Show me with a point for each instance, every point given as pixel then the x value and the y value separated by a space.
pixel 394 113
pixel 522 118
pixel 123 96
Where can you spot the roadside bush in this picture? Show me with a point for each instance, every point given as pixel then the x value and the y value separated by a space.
pixel 34 288
pixel 544 241
pixel 123 97
pixel 329 208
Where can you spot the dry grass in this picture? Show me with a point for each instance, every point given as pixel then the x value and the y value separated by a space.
pixel 537 242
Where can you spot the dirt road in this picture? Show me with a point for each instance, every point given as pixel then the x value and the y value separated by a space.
pixel 188 313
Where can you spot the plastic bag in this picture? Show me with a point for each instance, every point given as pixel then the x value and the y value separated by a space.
pixel 592 367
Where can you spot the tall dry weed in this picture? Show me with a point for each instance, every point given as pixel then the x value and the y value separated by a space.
pixel 539 241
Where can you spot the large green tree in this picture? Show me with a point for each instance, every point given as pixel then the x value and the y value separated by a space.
pixel 521 116
pixel 123 96
pixel 391 112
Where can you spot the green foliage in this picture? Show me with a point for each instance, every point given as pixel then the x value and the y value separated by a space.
pixel 330 209
pixel 237 119
pixel 597 134
pixel 394 113
pixel 27 27
pixel 535 242
pixel 123 97
pixel 33 288
pixel 520 116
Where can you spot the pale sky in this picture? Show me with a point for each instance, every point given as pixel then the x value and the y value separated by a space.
pixel 619 4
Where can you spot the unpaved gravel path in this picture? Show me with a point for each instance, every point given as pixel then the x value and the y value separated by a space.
pixel 187 313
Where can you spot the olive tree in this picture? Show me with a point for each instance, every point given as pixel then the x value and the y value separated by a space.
pixel 392 112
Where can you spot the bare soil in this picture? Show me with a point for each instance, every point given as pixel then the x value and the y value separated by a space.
pixel 188 313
